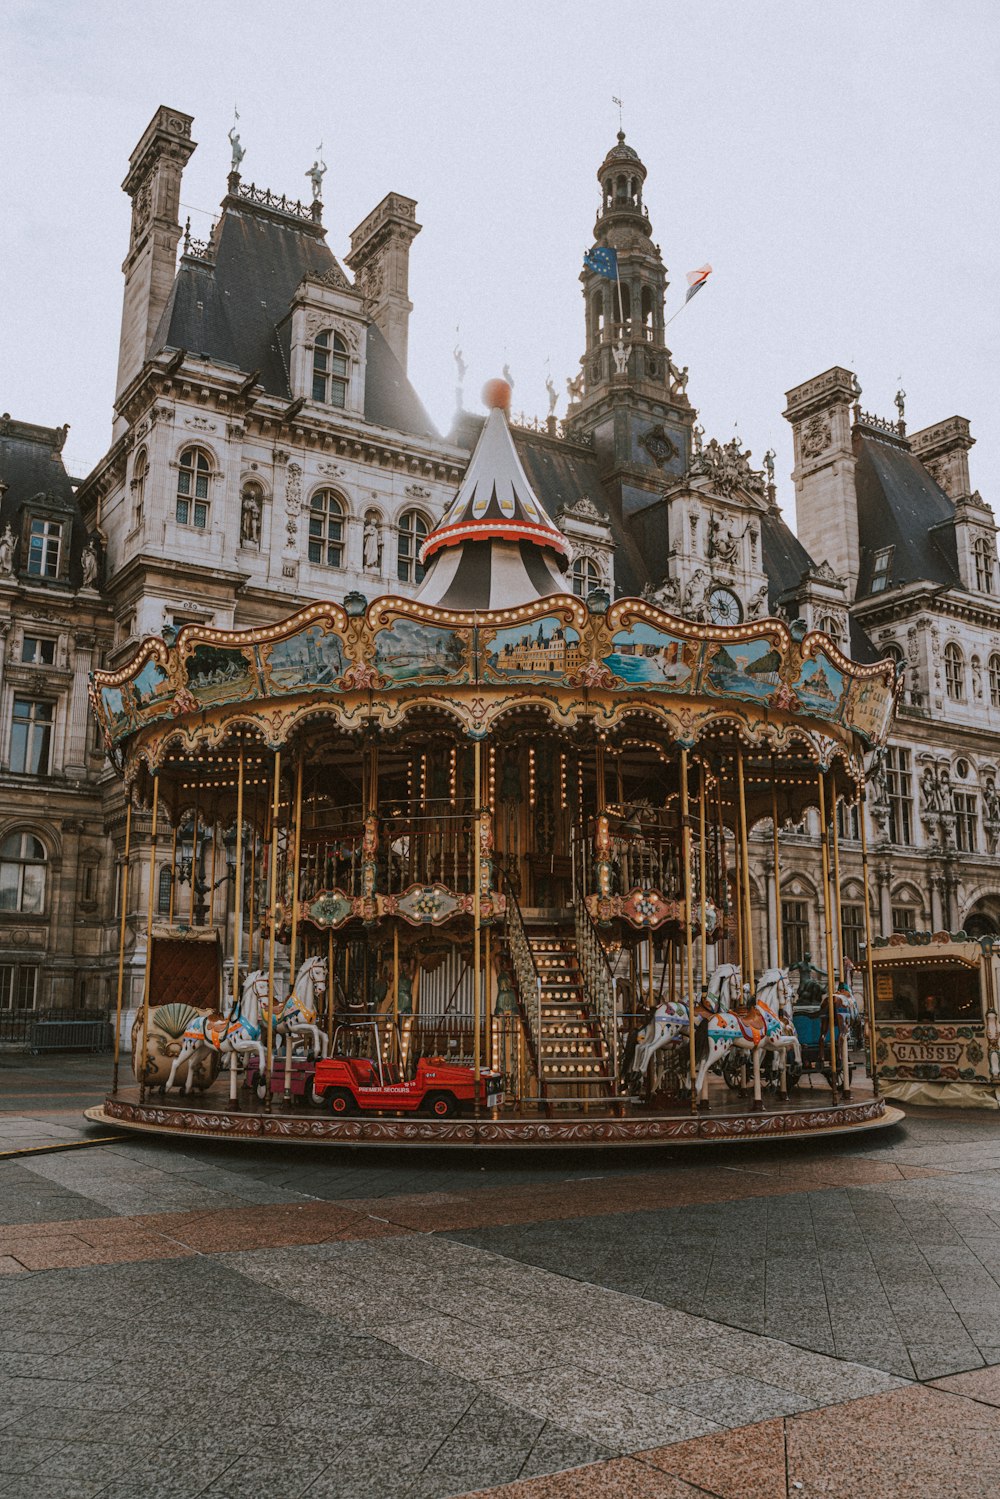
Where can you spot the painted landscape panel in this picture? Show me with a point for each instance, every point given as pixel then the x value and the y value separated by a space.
pixel 409 651
pixel 545 648
pixel 750 669
pixel 219 675
pixel 313 658
pixel 647 657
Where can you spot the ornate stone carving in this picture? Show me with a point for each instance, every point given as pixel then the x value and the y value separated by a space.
pixel 293 504
pixel 727 467
pixel 658 445
pixel 816 436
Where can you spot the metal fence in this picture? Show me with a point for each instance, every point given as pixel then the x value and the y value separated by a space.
pixel 56 1030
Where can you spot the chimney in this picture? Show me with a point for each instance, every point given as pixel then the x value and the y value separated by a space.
pixel 944 451
pixel 379 258
pixel 826 505
pixel 154 185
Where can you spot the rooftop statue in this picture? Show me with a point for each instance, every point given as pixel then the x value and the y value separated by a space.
pixel 238 150
pixel 316 173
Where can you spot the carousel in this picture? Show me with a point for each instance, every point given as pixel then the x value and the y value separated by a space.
pixel 472 868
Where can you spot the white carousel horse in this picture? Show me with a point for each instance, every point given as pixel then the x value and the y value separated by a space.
pixel 229 1035
pixel 774 998
pixel 297 1014
pixel 668 1022
pixel 846 1013
pixel 747 1029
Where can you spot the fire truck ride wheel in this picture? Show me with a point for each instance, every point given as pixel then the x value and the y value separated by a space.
pixel 441 1105
pixel 340 1101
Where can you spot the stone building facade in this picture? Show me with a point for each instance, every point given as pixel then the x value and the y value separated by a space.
pixel 268 449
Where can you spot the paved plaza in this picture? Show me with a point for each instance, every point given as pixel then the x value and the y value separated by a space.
pixel 195 1319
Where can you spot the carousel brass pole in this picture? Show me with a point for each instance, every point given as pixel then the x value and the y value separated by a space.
pixel 488 1002
pixel 121 934
pixel 237 919
pixel 173 874
pixel 330 989
pixel 827 931
pixel 194 862
pixel 688 936
pixel 777 869
pixel 149 938
pixel 722 883
pixel 296 855
pixel 253 877
pixel 869 969
pixel 835 840
pixel 395 993
pixel 703 873
pixel 745 861
pixel 272 901
pixel 477 998
pixel 211 893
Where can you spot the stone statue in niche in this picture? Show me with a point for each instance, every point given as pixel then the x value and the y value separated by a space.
pixel 250 519
pixel 620 355
pixel 372 543
pixel 89 564
pixel 7 548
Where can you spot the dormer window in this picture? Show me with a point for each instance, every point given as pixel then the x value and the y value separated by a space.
pixel 330 370
pixel 586 577
pixel 44 547
pixel 983 554
pixel 880 571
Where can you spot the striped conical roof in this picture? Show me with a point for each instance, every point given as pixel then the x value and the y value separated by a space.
pixel 495 547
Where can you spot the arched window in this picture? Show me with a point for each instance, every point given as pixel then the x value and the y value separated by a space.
pixel 139 471
pixel 412 531
pixel 330 369
pixel 326 529
pixel 954 672
pixel 995 680
pixel 625 310
pixel 828 624
pixel 586 576
pixel 983 553
pixel 22 874
pixel 647 311
pixel 192 488
pixel 163 893
pixel 597 304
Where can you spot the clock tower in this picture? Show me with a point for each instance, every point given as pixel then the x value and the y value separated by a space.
pixel 629 401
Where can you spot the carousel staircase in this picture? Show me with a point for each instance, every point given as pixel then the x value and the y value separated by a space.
pixel 573 1061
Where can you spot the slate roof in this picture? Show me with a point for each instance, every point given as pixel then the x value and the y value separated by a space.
pixel 234 310
pixel 31 464
pixel 899 505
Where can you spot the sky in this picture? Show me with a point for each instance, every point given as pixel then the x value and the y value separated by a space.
pixel 835 163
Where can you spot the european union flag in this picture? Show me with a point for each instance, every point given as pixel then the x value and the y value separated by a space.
pixel 603 260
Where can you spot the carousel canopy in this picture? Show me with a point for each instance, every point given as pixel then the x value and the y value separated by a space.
pixel 495 547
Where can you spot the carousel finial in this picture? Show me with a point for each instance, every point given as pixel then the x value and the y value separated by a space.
pixel 496 395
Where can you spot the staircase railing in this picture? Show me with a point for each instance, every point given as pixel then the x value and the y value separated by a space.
pixel 526 975
pixel 600 986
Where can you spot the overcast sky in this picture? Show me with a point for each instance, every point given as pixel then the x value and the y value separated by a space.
pixel 836 163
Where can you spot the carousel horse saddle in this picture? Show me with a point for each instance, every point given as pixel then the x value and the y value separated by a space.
pixel 750 1023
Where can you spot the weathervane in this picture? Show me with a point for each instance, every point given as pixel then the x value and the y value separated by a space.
pixel 615 100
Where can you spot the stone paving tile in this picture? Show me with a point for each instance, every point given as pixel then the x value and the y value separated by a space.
pixel 622 1478
pixel 912 1443
pixel 746 1463
pixel 978 1384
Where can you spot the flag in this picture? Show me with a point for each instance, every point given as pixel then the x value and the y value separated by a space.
pixel 696 280
pixel 603 260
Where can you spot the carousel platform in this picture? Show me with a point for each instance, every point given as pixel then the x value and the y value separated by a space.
pixel 729 1119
